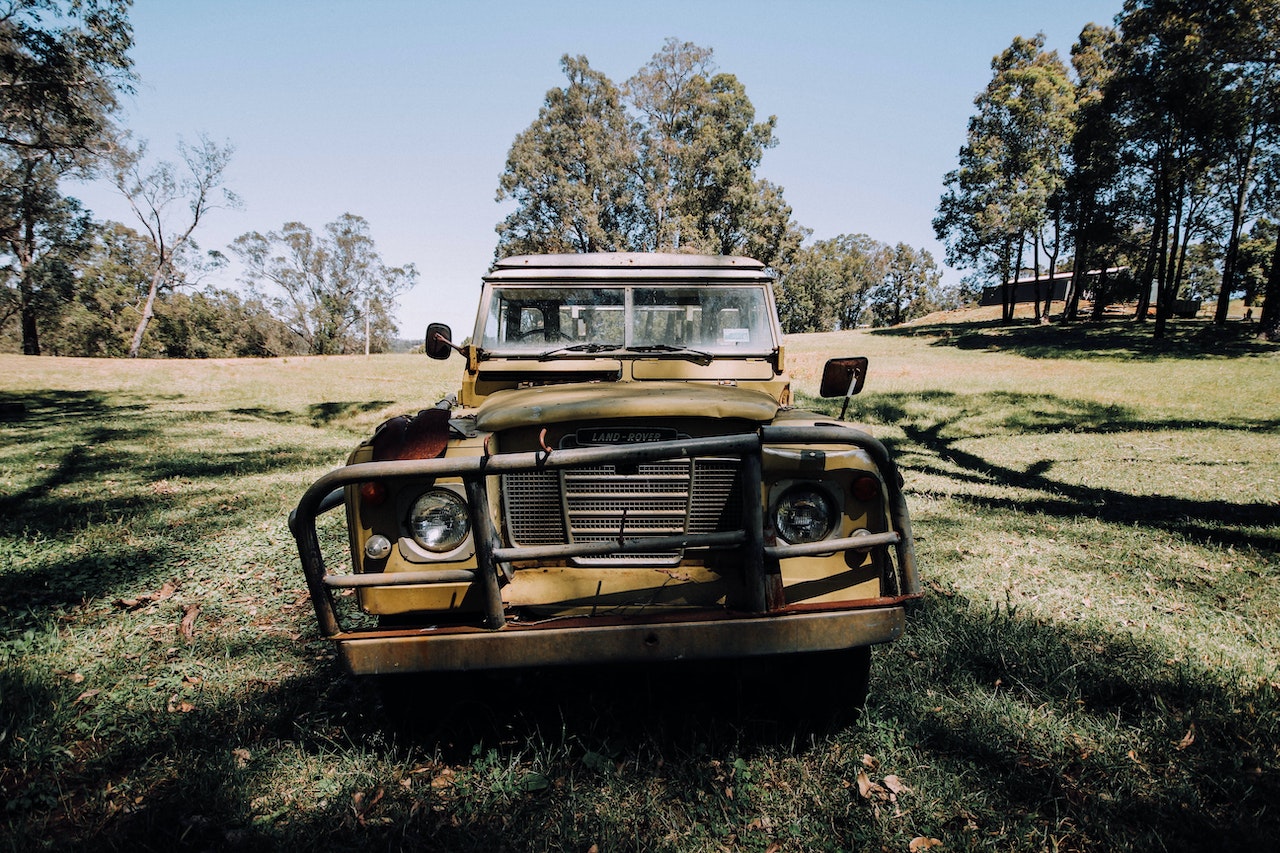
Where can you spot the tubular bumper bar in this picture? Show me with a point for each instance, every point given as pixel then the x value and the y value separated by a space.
pixel 764 586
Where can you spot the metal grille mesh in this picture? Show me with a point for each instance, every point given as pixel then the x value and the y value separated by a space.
pixel 588 505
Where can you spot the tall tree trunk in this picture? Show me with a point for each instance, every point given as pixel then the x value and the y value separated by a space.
pixel 1149 267
pixel 1238 210
pixel 1269 325
pixel 1053 258
pixel 1159 238
pixel 1011 284
pixel 24 253
pixel 1100 294
pixel 1168 263
pixel 30 331
pixel 1079 275
pixel 148 311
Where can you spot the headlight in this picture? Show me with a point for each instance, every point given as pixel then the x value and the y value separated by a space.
pixel 804 514
pixel 439 521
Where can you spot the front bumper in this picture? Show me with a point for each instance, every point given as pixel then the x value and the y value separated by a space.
pixel 586 641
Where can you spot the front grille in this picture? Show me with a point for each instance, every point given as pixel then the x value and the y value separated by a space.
pixel 589 504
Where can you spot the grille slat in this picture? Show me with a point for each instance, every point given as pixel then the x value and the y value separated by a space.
pixel 589 505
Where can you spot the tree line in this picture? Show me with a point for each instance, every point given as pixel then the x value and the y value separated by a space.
pixel 667 162
pixel 1156 156
pixel 72 286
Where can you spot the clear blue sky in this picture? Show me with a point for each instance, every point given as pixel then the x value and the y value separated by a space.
pixel 402 112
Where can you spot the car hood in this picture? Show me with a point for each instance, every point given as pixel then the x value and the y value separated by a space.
pixel 603 400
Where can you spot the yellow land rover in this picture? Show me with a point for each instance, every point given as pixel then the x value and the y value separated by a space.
pixel 623 476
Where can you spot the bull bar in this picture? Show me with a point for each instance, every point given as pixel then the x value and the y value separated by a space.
pixel 769 624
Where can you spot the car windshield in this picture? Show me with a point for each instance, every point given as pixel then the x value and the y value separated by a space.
pixel 528 320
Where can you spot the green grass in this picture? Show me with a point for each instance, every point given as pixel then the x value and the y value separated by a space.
pixel 1096 665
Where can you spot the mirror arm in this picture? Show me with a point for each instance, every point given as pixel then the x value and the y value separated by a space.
pixel 848 395
pixel 462 351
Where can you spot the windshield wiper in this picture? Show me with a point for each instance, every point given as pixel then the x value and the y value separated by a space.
pixel 696 356
pixel 587 348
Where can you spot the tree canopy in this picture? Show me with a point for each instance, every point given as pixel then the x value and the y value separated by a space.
pixel 62 65
pixel 332 290
pixel 1012 167
pixel 1157 157
pixel 853 280
pixel 667 163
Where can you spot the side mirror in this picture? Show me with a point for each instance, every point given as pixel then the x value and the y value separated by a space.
pixel 439 342
pixel 843 377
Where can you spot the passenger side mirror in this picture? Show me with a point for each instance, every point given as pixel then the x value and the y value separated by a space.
pixel 843 377
pixel 439 342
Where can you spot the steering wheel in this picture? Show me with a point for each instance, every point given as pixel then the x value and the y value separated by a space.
pixel 528 333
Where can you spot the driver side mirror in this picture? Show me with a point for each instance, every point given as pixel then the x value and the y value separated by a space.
pixel 439 341
pixel 843 377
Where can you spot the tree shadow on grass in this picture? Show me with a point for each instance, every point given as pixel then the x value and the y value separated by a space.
pixel 318 414
pixel 105 492
pixel 936 424
pixel 1105 339
pixel 549 760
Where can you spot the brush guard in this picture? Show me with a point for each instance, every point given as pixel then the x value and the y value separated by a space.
pixel 717 634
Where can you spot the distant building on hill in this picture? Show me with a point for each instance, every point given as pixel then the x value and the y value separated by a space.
pixel 1025 287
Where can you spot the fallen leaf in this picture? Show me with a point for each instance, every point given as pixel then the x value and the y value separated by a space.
pixel 164 593
pixel 871 790
pixel 921 843
pixel 361 807
pixel 87 695
pixel 1189 738
pixel 187 628
pixel 177 706
pixel 894 784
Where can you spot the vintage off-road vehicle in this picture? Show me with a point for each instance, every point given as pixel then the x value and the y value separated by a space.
pixel 623 477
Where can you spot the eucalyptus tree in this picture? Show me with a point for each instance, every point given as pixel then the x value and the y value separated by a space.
pixel 170 202
pixel 676 173
pixel 328 288
pixel 1250 39
pixel 573 173
pixel 1267 272
pixel 909 278
pixel 700 146
pixel 1013 164
pixel 113 280
pixel 1092 190
pixel 826 285
pixel 1176 110
pixel 62 65
pixel 44 234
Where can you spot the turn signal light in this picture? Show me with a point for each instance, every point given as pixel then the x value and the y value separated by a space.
pixel 373 494
pixel 865 488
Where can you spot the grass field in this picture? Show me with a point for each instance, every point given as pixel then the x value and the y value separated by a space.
pixel 1096 665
